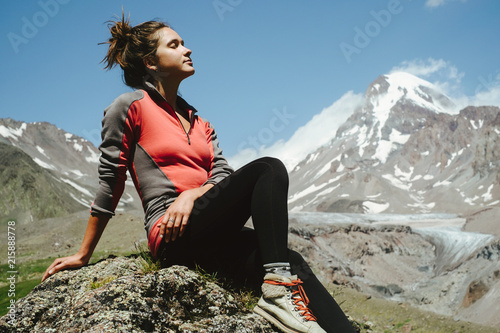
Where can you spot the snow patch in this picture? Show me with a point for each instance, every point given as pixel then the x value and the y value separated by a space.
pixel 323 170
pixel 41 151
pixel 327 191
pixel 44 164
pixel 78 187
pixel 397 182
pixel 417 177
pixel 312 157
pixel 404 176
pixel 77 147
pixel 385 147
pixel 311 189
pixel 78 173
pixel 375 208
pixel 397 137
pixel 13 133
pixel 93 157
pixel 487 196
pixel 80 201
pixel 445 182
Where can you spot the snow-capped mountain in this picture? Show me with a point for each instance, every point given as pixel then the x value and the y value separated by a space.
pixel 69 159
pixel 406 150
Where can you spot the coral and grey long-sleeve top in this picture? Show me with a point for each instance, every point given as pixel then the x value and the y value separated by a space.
pixel 141 133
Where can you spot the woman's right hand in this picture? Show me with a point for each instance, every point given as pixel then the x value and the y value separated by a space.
pixel 74 261
pixel 94 230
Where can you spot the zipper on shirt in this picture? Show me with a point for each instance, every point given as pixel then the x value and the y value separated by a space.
pixel 190 126
pixel 191 118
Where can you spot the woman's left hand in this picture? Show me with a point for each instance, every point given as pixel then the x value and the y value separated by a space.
pixel 176 217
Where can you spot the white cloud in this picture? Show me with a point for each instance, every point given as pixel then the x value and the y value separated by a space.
pixel 447 78
pixel 316 133
pixel 440 72
pixel 488 97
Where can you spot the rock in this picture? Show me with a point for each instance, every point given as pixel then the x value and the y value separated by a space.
pixel 115 295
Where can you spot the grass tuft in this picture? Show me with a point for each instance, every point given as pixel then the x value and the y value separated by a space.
pixel 95 283
pixel 146 262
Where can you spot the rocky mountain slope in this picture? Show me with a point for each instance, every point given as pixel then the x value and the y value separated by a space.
pixel 404 152
pixel 423 260
pixel 68 162
pixel 29 190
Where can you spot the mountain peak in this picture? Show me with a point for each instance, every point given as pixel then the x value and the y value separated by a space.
pixel 389 89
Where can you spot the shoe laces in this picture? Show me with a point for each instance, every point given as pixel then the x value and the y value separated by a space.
pixel 299 297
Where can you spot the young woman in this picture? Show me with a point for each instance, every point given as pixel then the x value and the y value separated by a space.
pixel 195 205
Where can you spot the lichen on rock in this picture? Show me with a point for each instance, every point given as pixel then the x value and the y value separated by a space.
pixel 174 299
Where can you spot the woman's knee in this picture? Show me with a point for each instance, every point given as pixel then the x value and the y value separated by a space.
pixel 275 163
pixel 275 167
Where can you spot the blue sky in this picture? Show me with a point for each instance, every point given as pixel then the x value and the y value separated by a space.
pixel 263 68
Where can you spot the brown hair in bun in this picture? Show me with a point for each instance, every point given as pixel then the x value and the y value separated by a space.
pixel 129 46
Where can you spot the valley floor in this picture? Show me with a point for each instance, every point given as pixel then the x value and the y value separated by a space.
pixel 380 316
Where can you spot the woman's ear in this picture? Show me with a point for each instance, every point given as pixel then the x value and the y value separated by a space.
pixel 150 64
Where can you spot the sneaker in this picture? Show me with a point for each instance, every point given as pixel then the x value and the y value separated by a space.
pixel 284 304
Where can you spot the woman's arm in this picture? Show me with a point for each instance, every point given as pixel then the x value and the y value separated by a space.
pixel 93 233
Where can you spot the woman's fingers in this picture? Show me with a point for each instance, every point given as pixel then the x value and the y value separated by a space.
pixel 166 227
pixel 63 263
pixel 176 228
pixel 173 226
pixel 184 223
pixel 50 270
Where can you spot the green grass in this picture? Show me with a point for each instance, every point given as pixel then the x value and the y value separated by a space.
pixel 243 294
pixel 30 275
pixel 101 282
pixel 22 289
pixel 146 262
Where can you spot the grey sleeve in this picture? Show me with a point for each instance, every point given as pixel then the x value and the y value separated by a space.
pixel 220 167
pixel 117 144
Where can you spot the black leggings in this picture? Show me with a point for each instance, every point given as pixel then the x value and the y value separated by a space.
pixel 216 238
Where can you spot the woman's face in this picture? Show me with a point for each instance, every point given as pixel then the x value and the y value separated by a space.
pixel 172 57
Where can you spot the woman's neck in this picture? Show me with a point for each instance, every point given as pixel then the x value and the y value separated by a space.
pixel 169 92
